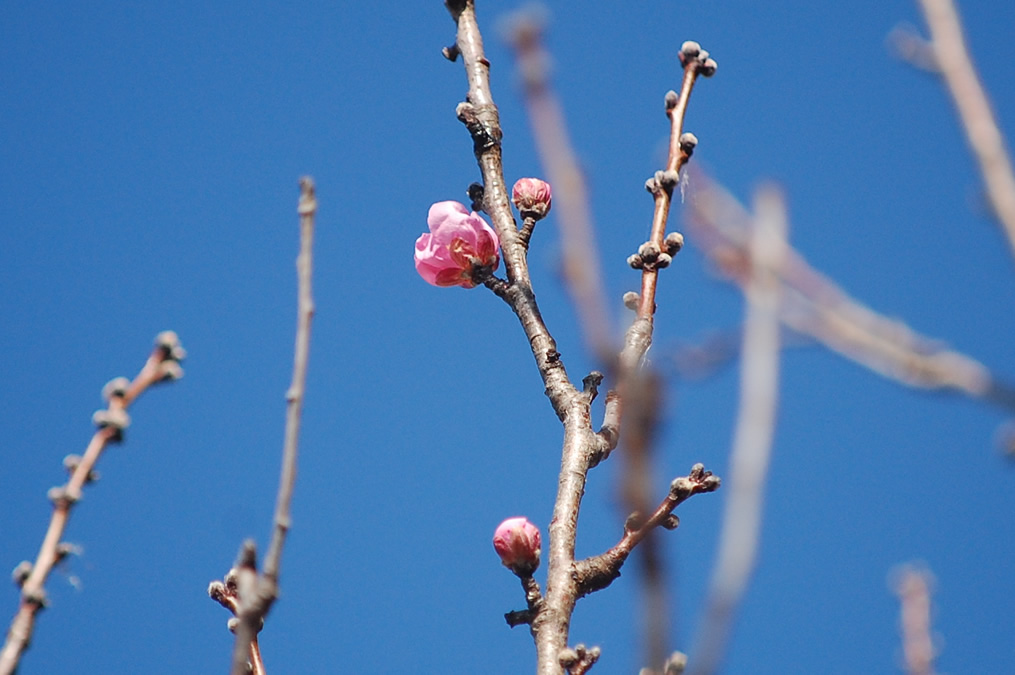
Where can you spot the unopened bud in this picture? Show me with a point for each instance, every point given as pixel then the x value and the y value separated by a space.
pixel 116 418
pixel 532 197
pixel 632 300
pixel 688 142
pixel 648 251
pixel 671 100
pixel 676 664
pixel 674 242
pixel 663 261
pixel 635 261
pixel 634 521
pixel 517 543
pixel 169 342
pixel 689 50
pixel 708 68
pixel 21 573
pixel 568 657
pixel 670 522
pixel 115 388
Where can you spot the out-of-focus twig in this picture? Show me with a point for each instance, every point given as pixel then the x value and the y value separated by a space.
pixel 256 593
pixel 814 305
pixel 578 243
pixel 226 593
pixel 912 585
pixel 752 443
pixel 163 364
pixel 982 132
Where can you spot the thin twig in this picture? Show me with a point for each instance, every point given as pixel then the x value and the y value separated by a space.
pixel 812 304
pixel 912 585
pixel 638 392
pixel 982 132
pixel 598 572
pixel 752 443
pixel 255 604
pixel 226 593
pixel 480 116
pixel 570 197
pixel 162 365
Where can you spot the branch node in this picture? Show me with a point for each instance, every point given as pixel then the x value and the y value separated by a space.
pixel 115 419
pixel 115 388
pixel 21 573
pixel 60 497
pixel 476 193
pixel 451 52
pixel 591 384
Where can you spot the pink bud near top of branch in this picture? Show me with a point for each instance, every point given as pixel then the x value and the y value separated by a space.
pixel 531 196
pixel 459 243
pixel 517 543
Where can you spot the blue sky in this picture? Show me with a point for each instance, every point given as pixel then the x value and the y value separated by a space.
pixel 148 182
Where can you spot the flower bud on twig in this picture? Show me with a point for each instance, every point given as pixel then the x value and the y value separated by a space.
pixel 532 197
pixel 517 543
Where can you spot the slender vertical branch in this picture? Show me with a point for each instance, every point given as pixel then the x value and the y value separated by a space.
pixel 912 585
pixel 677 157
pixel 307 209
pixel 162 365
pixel 982 132
pixel 752 443
pixel 256 597
pixel 571 202
pixel 480 116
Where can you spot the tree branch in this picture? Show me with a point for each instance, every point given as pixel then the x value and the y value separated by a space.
pixel 984 136
pixel 162 365
pixel 256 593
pixel 480 116
pixel 578 244
pixel 752 443
pixel 812 304
pixel 598 572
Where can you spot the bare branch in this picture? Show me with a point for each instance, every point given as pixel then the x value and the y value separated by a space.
pixel 982 132
pixel 912 585
pixel 162 365
pixel 578 244
pixel 256 594
pixel 752 443
pixel 814 305
pixel 598 572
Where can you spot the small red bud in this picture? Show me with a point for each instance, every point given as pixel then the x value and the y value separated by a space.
pixel 532 197
pixel 517 543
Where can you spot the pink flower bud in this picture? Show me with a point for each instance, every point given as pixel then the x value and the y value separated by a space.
pixel 532 197
pixel 458 242
pixel 517 543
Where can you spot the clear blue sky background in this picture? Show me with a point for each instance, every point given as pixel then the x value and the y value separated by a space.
pixel 148 174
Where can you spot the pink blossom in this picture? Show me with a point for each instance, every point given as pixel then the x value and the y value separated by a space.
pixel 457 243
pixel 532 197
pixel 517 543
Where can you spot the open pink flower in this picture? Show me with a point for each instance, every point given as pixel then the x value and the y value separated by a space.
pixel 517 543
pixel 458 242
